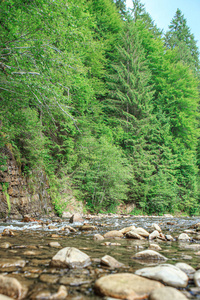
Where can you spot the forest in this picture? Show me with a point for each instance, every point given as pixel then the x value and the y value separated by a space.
pixel 102 101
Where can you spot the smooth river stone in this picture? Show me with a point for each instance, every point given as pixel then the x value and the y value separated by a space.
pixel 113 234
pixel 71 258
pixel 125 286
pixel 111 262
pixel 167 293
pixel 168 274
pixel 189 270
pixel 197 278
pixel 150 255
pixel 11 287
pixel 141 231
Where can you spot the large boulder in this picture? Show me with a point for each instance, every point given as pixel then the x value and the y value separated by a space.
pixel 71 258
pixel 76 218
pixel 168 274
pixel 125 286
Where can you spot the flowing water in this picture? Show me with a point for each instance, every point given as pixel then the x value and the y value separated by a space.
pixel 31 244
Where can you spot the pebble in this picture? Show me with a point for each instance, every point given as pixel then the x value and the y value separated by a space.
pixel 111 262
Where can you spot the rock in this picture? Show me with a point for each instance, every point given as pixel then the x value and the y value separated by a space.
pixel 133 235
pixel 66 214
pixel 113 234
pixel 169 237
pixel 197 278
pixel 11 287
pixel 49 278
pixel 186 268
pixel 194 247
pixel 61 293
pixel 184 237
pixel 127 229
pixel 110 244
pixel 125 286
pixel 12 262
pixel 54 245
pixel 70 228
pixel 156 227
pixel 111 262
pixel 150 255
pixel 8 232
pixel 166 293
pixel 167 216
pixel 141 232
pixel 87 227
pixel 168 274
pixel 76 218
pixel 71 258
pixel 98 237
pixel 5 245
pixel 154 247
pixel 154 235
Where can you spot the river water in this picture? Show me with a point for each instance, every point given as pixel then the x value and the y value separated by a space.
pixel 31 244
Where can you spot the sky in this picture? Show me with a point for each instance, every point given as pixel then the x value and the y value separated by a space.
pixel 162 12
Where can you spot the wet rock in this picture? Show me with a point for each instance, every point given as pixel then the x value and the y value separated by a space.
pixel 5 245
pixel 111 262
pixel 194 247
pixel 76 218
pixel 8 232
pixel 125 286
pixel 49 278
pixel 127 229
pixel 70 257
pixel 197 278
pixel 54 245
pixel 186 257
pixel 168 274
pixel 166 293
pixel 31 253
pixel 11 287
pixel 55 236
pixel 141 231
pixel 184 237
pixel 113 234
pixel 110 244
pixel 61 293
pixel 186 268
pixel 98 237
pixel 51 227
pixel 156 227
pixel 133 235
pixel 70 228
pixel 154 235
pixel 12 262
pixel 150 255
pixel 87 227
pixel 154 247
pixel 169 237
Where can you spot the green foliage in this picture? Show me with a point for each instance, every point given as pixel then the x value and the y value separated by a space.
pixel 5 186
pixel 101 174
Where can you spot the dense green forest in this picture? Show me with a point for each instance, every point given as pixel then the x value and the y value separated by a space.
pixel 102 101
